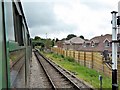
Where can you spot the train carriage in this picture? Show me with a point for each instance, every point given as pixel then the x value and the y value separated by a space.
pixel 15 46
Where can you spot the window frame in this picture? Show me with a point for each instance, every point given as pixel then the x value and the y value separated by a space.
pixel 18 32
pixel 92 45
pixel 107 43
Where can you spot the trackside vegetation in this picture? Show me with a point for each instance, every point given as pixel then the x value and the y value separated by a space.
pixel 86 74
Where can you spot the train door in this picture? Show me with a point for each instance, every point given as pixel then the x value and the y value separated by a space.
pixel 3 58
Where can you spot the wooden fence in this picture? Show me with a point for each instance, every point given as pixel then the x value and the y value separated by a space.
pixel 92 60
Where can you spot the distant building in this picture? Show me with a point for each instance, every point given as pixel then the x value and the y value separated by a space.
pixel 96 44
pixel 59 44
pixel 73 44
pixel 99 44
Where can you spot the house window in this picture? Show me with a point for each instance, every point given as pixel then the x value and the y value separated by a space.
pixel 119 44
pixel 84 44
pixel 118 56
pixel 107 43
pixel 92 44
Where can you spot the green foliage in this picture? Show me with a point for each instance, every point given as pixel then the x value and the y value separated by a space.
pixel 56 56
pixel 44 43
pixel 63 39
pixel 84 73
pixel 62 56
pixel 38 43
pixel 48 43
pixel 70 59
pixel 53 42
pixel 37 38
pixel 56 40
pixel 82 37
pixel 70 36
pixel 118 85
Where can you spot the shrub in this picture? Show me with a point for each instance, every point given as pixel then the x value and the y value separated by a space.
pixel 62 56
pixel 70 59
pixel 56 56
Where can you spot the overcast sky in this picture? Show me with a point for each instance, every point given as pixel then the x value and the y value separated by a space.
pixel 58 18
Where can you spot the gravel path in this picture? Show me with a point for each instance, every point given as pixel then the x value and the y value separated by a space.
pixel 37 76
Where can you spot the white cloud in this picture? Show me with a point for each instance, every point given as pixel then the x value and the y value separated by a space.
pixel 89 22
pixel 80 17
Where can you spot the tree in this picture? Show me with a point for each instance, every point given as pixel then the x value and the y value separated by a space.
pixel 53 42
pixel 56 40
pixel 70 36
pixel 48 43
pixel 43 43
pixel 81 36
pixel 63 39
pixel 37 38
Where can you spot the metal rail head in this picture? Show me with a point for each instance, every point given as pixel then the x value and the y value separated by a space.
pixel 75 85
pixel 36 54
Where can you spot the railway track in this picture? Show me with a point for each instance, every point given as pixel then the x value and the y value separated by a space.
pixel 38 78
pixel 59 77
pixel 15 69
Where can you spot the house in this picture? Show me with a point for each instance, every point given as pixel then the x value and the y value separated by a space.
pixel 73 44
pixel 99 44
pixel 59 44
pixel 96 44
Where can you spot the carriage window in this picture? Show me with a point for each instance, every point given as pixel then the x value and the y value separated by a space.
pixel 18 26
pixel 28 39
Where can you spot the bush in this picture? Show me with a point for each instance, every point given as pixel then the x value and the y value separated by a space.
pixel 70 59
pixel 62 56
pixel 56 56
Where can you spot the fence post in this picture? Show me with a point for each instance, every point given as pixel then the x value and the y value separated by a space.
pixel 63 52
pixel 103 65
pixel 84 58
pixel 66 53
pixel 92 60
pixel 74 54
pixel 78 56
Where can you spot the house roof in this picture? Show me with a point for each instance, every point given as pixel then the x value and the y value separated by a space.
pixel 100 44
pixel 86 41
pixel 95 41
pixel 75 40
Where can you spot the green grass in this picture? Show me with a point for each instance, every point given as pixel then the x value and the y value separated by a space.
pixel 88 75
pixel 119 85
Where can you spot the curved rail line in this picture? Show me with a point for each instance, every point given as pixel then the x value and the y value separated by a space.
pixel 67 78
pixel 17 66
pixel 52 84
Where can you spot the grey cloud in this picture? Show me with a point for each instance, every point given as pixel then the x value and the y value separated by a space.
pixel 39 13
pixel 41 19
pixel 95 5
pixel 41 30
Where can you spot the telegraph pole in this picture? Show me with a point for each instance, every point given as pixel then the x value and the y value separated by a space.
pixel 46 36
pixel 114 51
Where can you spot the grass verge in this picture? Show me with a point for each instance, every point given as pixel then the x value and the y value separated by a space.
pixel 88 75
